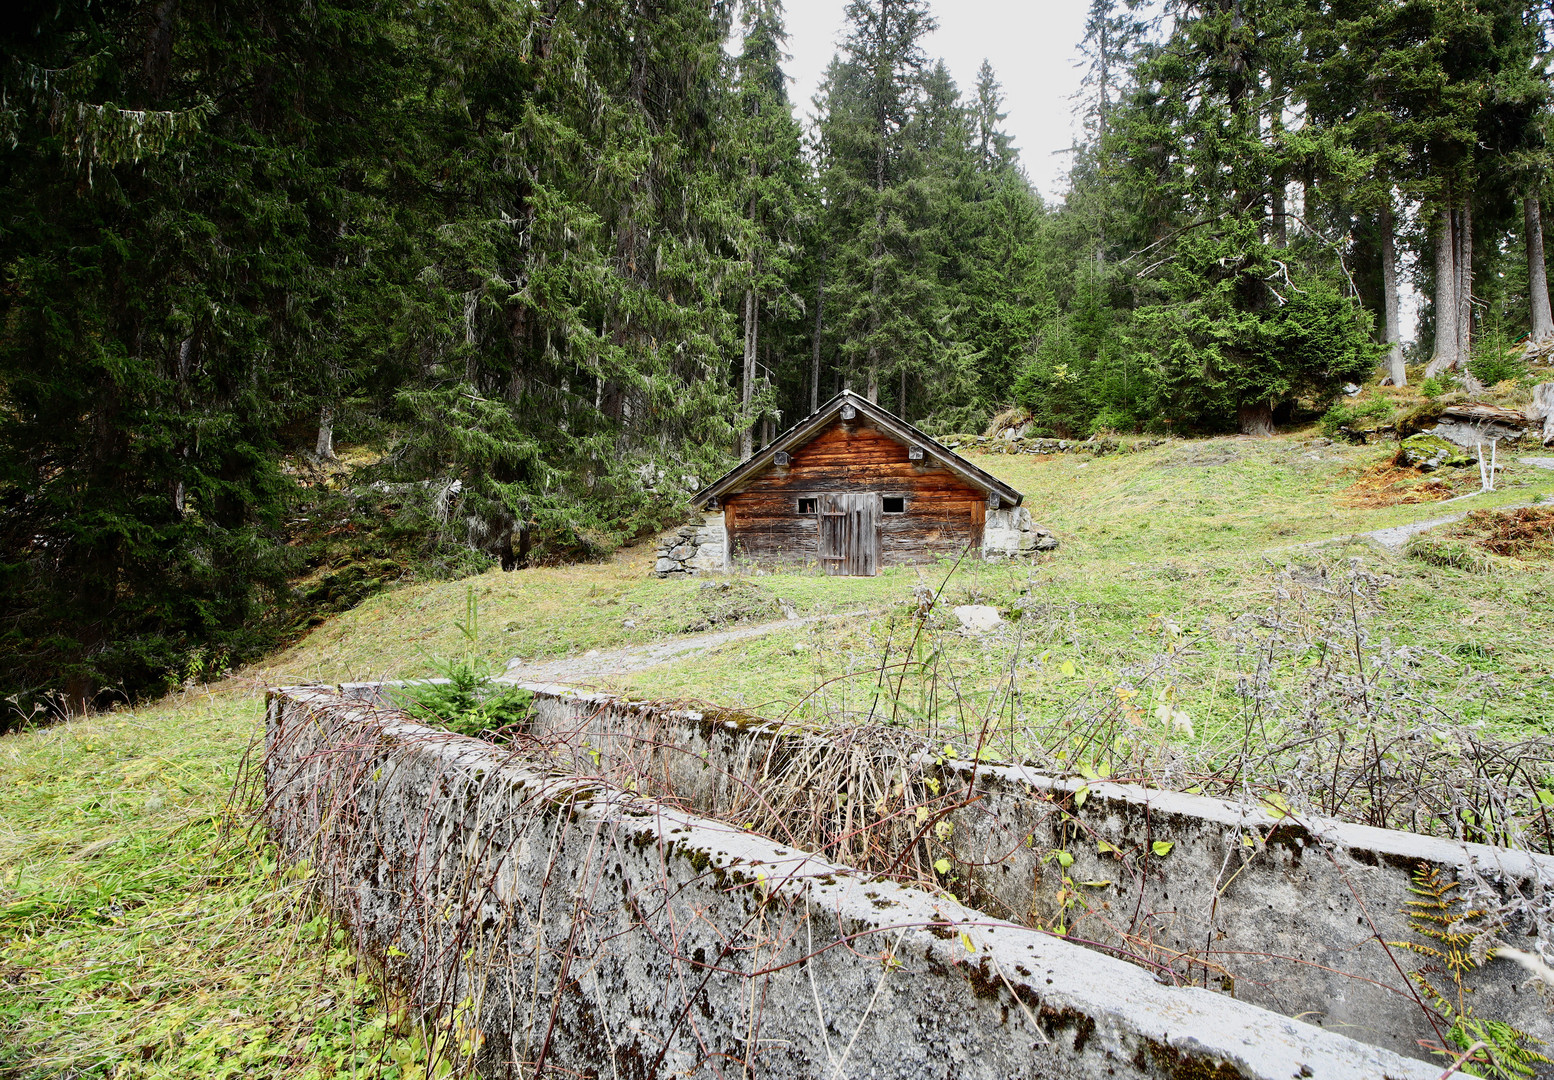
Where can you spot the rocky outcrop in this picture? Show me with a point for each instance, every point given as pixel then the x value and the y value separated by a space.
pixel 1012 442
pixel 1542 408
pixel 1014 532
pixel 1471 423
pixel 698 548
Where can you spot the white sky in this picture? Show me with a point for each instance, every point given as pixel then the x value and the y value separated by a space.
pixel 1032 45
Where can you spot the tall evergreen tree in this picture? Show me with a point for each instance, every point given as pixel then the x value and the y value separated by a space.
pixel 1241 319
pixel 500 234
pixel 771 182
pixel 994 147
pixel 182 263
pixel 881 290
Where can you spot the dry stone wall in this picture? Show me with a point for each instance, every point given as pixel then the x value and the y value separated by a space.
pixel 693 549
pixel 1013 532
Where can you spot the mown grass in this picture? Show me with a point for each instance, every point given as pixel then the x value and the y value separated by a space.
pixel 145 932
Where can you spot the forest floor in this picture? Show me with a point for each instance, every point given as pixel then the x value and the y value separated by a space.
pixel 145 931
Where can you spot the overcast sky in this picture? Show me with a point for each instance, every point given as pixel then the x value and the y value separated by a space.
pixel 1032 44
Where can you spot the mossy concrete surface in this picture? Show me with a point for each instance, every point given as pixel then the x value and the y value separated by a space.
pixel 559 920
pixel 1290 913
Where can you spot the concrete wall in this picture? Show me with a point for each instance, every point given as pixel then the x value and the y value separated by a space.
pixel 567 924
pixel 1293 915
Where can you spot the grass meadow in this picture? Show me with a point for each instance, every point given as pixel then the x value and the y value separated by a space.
pixel 1207 597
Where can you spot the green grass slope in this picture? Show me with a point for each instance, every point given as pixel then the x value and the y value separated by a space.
pixel 145 931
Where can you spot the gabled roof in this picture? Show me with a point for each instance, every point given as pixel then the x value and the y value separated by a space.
pixel 888 422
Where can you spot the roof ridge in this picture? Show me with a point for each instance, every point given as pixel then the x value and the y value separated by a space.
pixel 902 430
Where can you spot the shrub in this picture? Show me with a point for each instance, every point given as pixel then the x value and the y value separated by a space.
pixel 470 702
pixel 1346 414
pixel 1493 361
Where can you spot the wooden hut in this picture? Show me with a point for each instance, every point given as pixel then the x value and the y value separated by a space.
pixel 855 488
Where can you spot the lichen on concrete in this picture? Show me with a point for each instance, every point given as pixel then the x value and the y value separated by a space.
pixel 578 927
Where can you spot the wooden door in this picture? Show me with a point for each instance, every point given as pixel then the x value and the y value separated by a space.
pixel 850 534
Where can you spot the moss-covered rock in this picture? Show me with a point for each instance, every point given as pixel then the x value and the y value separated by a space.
pixel 1420 415
pixel 1430 452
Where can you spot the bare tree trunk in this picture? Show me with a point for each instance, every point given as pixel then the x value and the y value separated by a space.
pixel 1537 269
pixel 877 291
pixel 159 46
pixel 747 380
pixel 1389 290
pixel 1464 255
pixel 814 368
pixel 901 397
pixel 1280 214
pixel 876 285
pixel 1256 418
pixel 325 449
pixel 1445 355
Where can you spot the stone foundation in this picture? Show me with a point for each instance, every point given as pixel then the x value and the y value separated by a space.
pixel 1014 532
pixel 698 548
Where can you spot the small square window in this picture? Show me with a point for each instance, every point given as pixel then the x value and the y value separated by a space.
pixel 806 506
pixel 895 504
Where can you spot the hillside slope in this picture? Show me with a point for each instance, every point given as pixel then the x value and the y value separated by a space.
pixel 143 931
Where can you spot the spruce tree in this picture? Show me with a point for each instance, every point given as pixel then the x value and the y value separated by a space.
pixel 1236 328
pixel 771 183
pixel 182 247
pixel 881 284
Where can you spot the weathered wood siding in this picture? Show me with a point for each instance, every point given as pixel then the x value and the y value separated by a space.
pixel 943 513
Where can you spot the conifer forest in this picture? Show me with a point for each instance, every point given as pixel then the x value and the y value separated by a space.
pixel 443 283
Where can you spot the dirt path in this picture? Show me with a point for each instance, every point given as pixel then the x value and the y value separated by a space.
pixel 600 662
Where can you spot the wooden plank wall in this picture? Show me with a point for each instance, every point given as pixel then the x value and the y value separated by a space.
pixel 943 513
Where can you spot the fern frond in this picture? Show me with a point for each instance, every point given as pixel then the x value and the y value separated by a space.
pixel 1508 1052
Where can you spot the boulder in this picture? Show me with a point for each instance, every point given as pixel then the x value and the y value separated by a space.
pixel 1430 452
pixel 978 618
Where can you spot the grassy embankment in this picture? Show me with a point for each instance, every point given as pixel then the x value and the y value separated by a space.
pixel 142 935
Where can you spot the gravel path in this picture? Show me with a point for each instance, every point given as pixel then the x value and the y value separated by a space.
pixel 1395 537
pixel 600 662
pixel 1398 535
